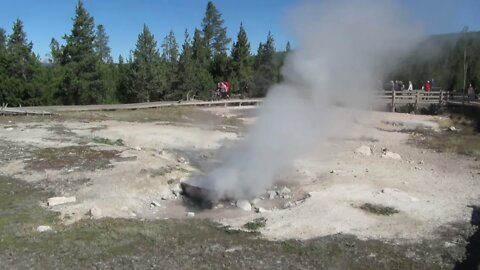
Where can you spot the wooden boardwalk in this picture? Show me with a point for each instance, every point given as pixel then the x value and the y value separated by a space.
pixel 48 110
pixel 394 99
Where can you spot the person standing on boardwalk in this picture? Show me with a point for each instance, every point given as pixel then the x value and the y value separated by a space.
pixel 410 86
pixel 470 92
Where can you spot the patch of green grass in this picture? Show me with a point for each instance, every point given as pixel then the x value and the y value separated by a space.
pixel 464 140
pixel 378 209
pixel 256 224
pixel 84 158
pixel 100 140
pixel 61 130
pixel 181 244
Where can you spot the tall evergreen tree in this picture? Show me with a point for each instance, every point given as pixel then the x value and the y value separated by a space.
pixel 266 69
pixel 3 38
pixel 214 33
pixel 147 77
pixel 200 60
pixel 170 62
pixel 83 82
pixel 55 52
pixel 242 62
pixel 288 47
pixel 101 45
pixel 185 85
pixel 21 68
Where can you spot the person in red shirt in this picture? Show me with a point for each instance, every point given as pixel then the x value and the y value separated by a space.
pixel 428 86
pixel 227 89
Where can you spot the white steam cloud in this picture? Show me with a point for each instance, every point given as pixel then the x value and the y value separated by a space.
pixel 344 48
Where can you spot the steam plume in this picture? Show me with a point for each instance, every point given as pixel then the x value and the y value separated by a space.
pixel 344 47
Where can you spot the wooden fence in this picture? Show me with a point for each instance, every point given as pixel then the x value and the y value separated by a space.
pixel 416 98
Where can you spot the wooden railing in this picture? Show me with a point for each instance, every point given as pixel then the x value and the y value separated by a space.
pixel 415 97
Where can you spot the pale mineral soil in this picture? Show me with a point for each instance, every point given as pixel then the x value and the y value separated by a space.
pixel 129 165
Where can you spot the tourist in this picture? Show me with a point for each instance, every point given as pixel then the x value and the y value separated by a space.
pixel 470 92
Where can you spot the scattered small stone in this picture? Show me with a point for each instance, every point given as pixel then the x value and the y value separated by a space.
pixel 255 201
pixel 244 205
pixel 182 160
pixel 363 150
pixel 44 228
pixel 284 192
pixel 421 162
pixel 138 148
pixel 220 205
pixel 155 204
pixel 233 249
pixel 392 155
pixel 190 214
pixel 95 212
pixel 60 200
pixel 9 129
pixel 417 168
pixel 260 210
pixel 452 128
pixel 288 204
pixel 176 190
pixel 271 194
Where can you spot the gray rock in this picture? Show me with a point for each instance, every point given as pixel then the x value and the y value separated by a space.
pixel 391 155
pixel 271 194
pixel 60 200
pixel 190 214
pixel 364 150
pixel 284 191
pixel 176 190
pixel 155 204
pixel 44 228
pixel 260 210
pixel 288 205
pixel 95 212
pixel 244 205
pixel 255 201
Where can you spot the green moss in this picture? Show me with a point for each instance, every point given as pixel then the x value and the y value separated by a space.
pixel 100 140
pixel 256 224
pixel 378 209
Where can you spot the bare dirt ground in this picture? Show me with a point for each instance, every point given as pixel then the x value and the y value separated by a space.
pixel 129 165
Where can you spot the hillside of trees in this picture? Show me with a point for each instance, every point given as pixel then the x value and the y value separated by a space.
pixel 82 71
pixel 448 60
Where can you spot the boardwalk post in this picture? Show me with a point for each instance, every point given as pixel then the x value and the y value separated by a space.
pixel 417 100
pixel 393 101
pixel 441 97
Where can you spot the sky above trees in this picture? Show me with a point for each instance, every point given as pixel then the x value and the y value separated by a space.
pixel 123 19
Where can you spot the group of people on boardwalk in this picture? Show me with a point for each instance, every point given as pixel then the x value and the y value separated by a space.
pixel 398 85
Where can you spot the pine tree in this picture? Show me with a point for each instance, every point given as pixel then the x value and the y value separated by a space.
pixel 21 68
pixel 194 78
pixel 288 48
pixel 83 81
pixel 214 33
pixel 55 52
pixel 147 77
pixel 3 38
pixel 185 85
pixel 170 62
pixel 266 69
pixel 204 81
pixel 242 62
pixel 3 66
pixel 101 45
